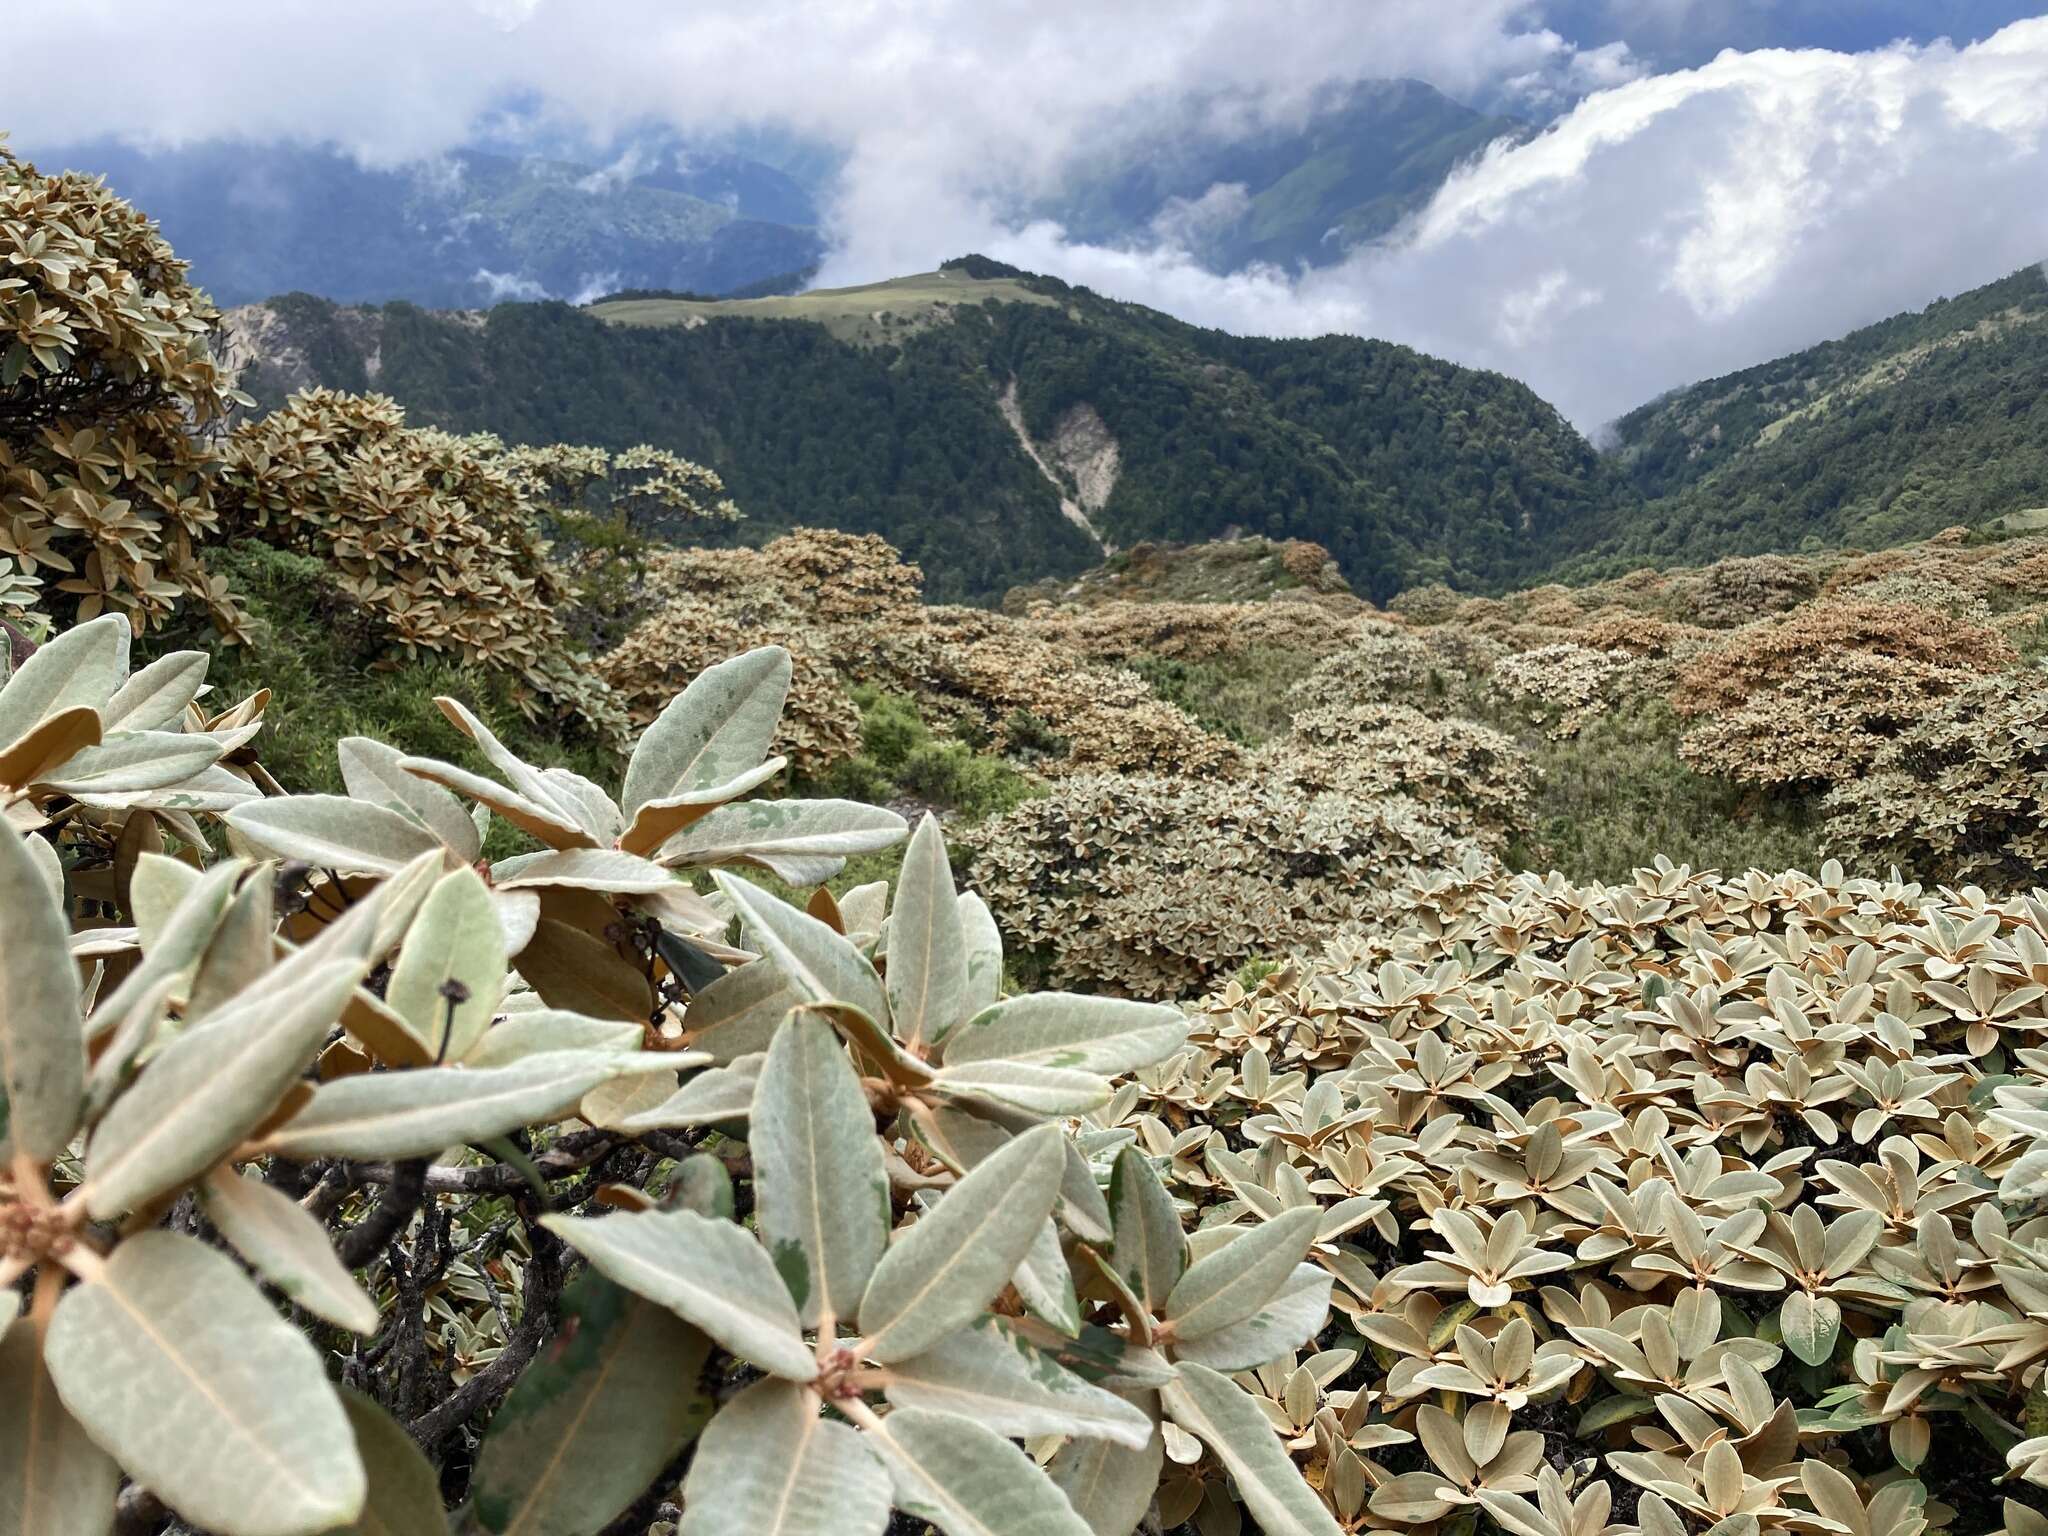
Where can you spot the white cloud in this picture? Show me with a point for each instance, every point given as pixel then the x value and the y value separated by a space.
pixel 1678 226
pixel 1666 228
pixel 508 287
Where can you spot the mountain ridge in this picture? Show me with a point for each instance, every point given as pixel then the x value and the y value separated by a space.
pixel 880 410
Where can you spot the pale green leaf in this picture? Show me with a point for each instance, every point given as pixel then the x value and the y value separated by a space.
pixel 938 1276
pixel 455 943
pixel 1810 1325
pixel 1236 1280
pixel 608 1402
pixel 989 1374
pixel 127 761
pixel 351 837
pixel 1045 1282
pixel 42 1042
pixel 984 953
pixel 707 1272
pixel 1281 1326
pixel 288 1247
pixel 1057 1029
pixel 1149 1250
pixel 927 977
pixel 583 869
pixel 1223 1417
pixel 1109 1485
pixel 818 964
pixel 176 1364
pixel 531 783
pixel 421 1112
pixel 771 1465
pixel 737 1014
pixel 154 698
pixel 716 729
pixel 404 1489
pixel 81 668
pixel 1023 1085
pixel 718 1097
pixel 802 842
pixel 212 1085
pixel 821 1188
pixel 54 1481
pixel 375 773
pixel 967 1480
pixel 537 1031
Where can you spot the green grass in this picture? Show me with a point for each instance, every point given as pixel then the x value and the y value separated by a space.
pixel 317 659
pixel 867 315
pixel 1617 794
pixel 1241 696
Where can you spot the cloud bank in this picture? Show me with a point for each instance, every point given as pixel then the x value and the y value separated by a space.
pixel 1666 227
pixel 1675 227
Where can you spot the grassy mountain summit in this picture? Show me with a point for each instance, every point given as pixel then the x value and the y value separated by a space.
pixel 995 426
pixel 1895 431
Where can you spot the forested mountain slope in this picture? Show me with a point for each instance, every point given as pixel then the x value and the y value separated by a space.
pixel 1893 432
pixel 998 427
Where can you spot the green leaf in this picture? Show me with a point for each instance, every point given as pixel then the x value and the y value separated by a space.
pixel 456 943
pixel 1045 1282
pixel 984 953
pixel 1223 1417
pixel 429 1109
pixel 531 783
pixel 405 1490
pixel 967 1480
pixel 1149 1249
pixel 127 761
pixel 596 1416
pixel 1024 1085
pixel 707 1272
pixel 1810 1325
pixel 818 964
pixel 352 837
pixel 1281 1326
pixel 80 668
pixel 213 1084
pixel 718 1097
pixel 154 699
pixel 716 729
pixel 801 842
pixel 927 979
pixel 989 1374
pixel 537 1031
pixel 1236 1280
pixel 1057 1029
pixel 1109 1485
pixel 42 1042
pixel 289 1247
pixel 737 1014
pixel 769 1465
pixel 176 1364
pixel 376 774
pixel 940 1274
pixel 54 1481
pixel 582 869
pixel 821 1188
pixel 1610 1411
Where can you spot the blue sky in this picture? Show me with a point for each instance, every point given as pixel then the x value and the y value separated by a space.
pixel 1677 33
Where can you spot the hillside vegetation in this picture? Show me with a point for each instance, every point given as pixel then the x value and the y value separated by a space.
pixel 514 1024
pixel 874 418
pixel 1920 422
